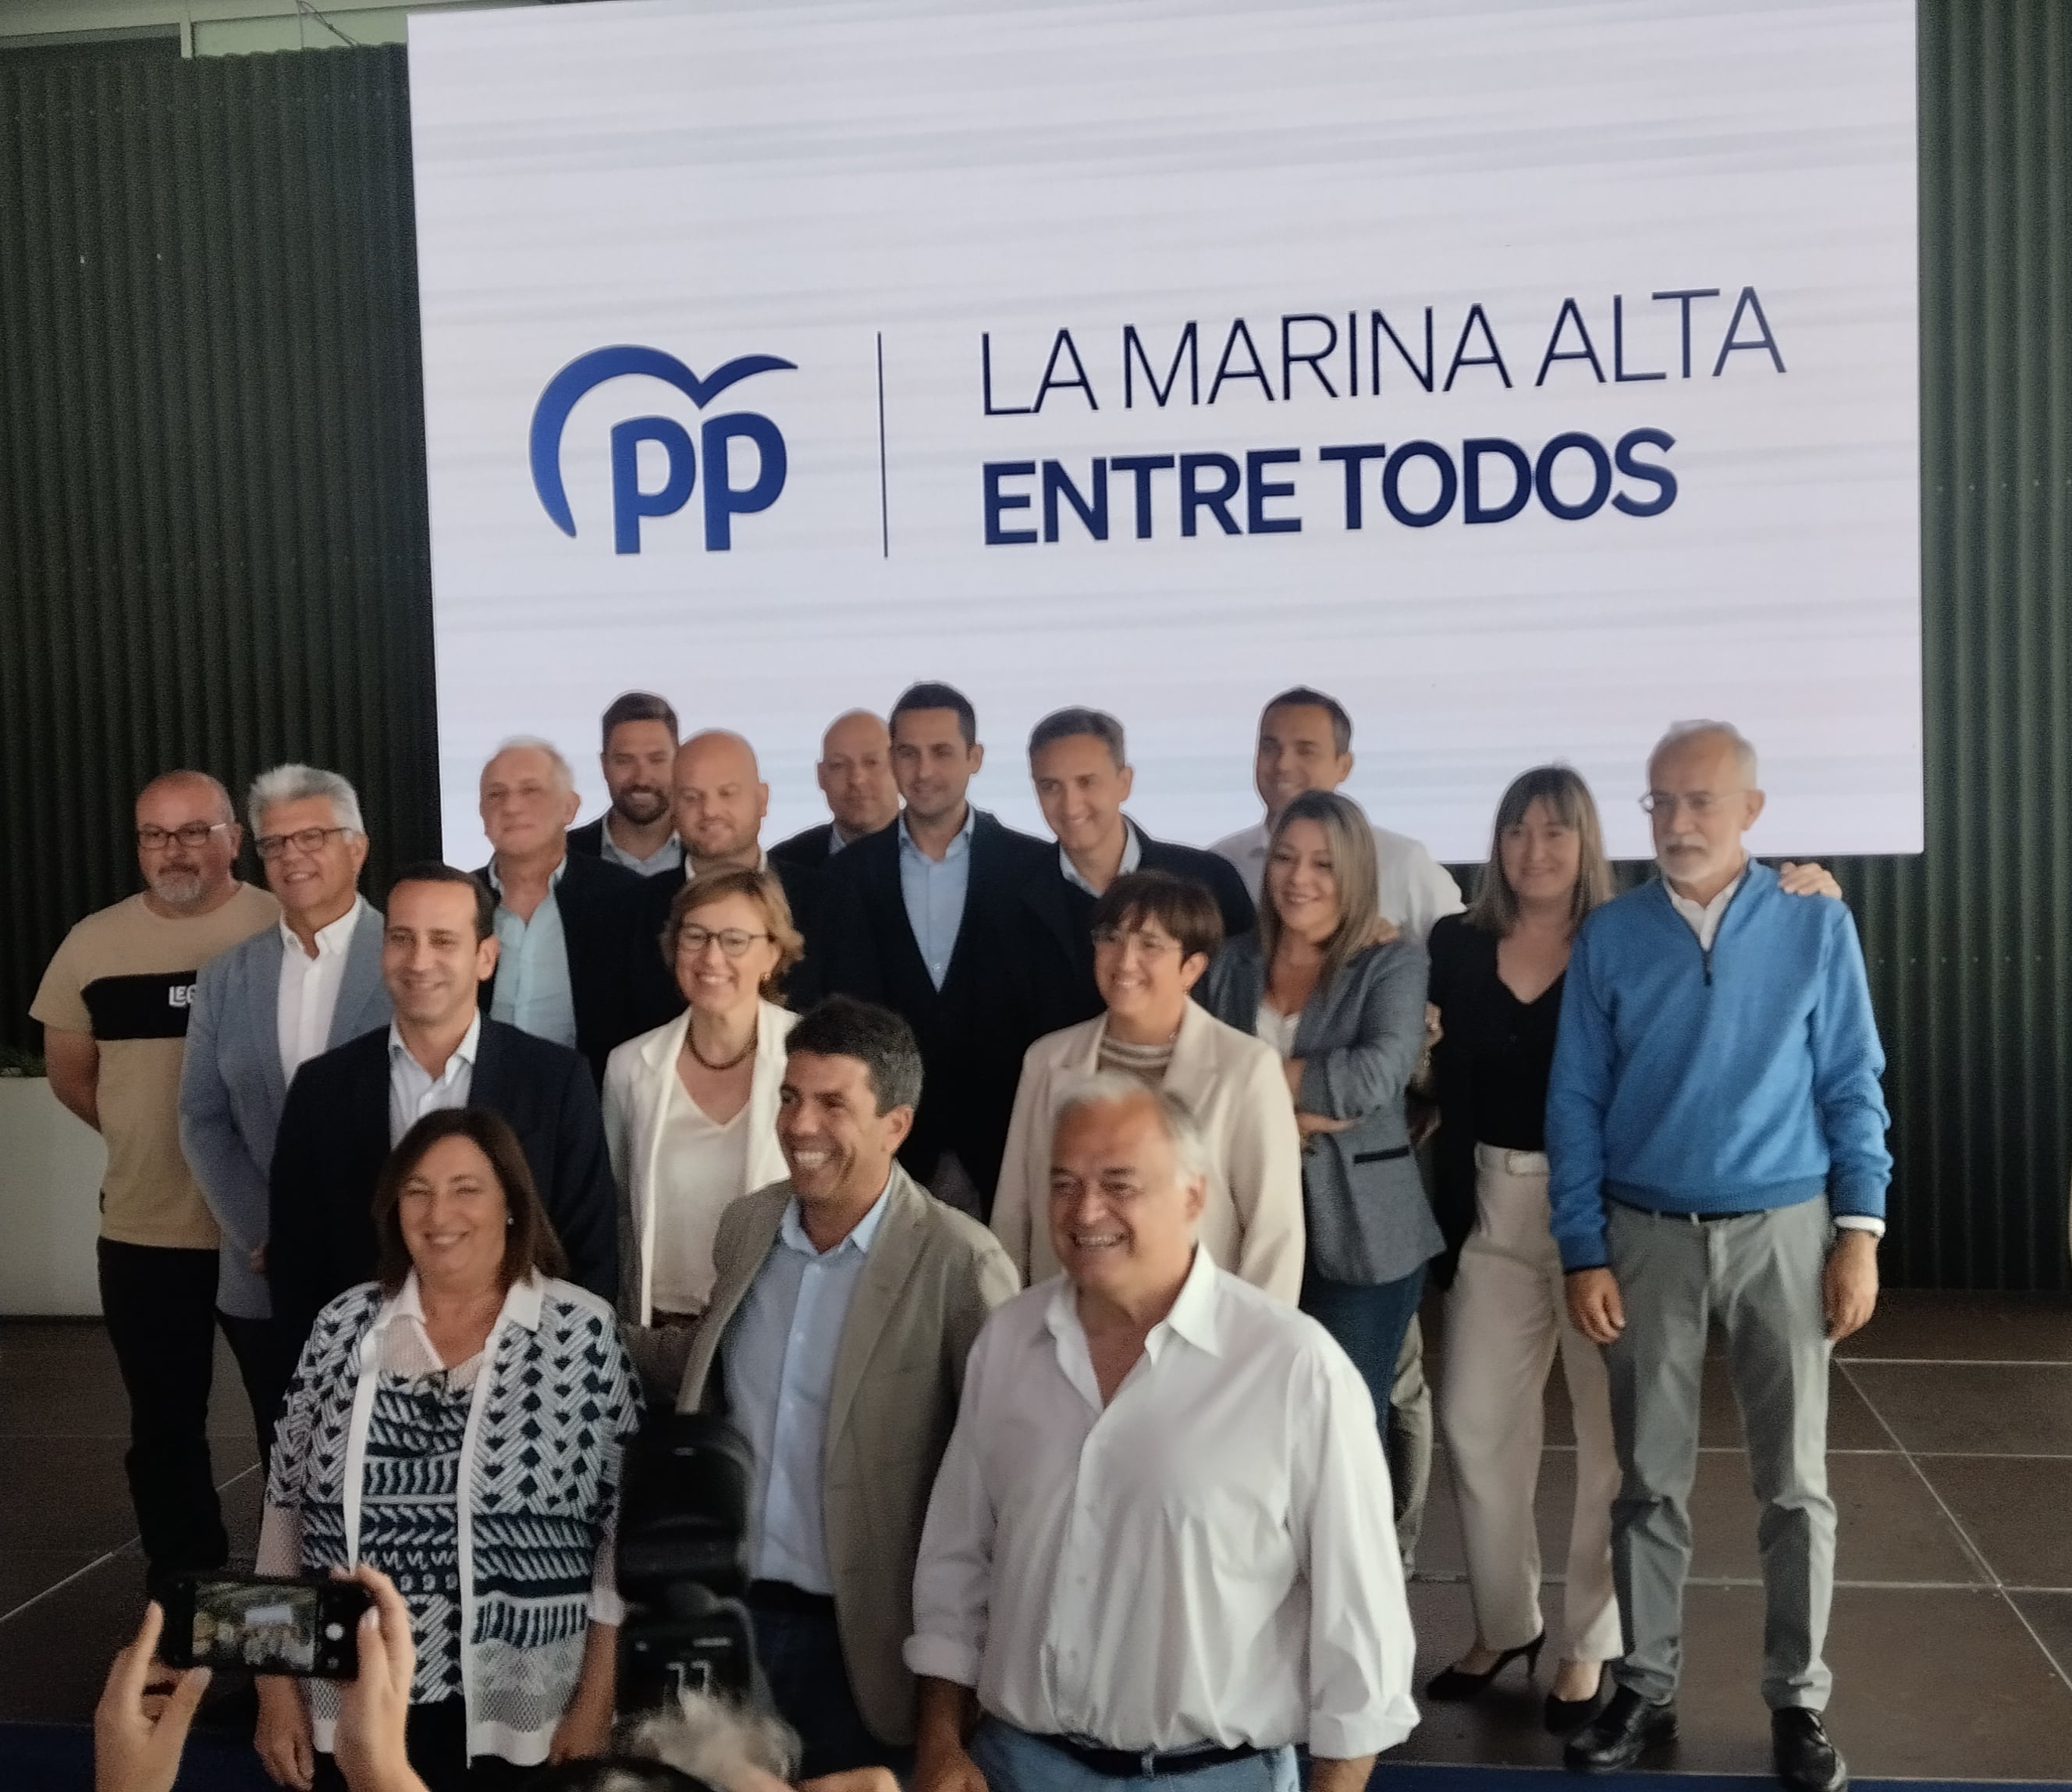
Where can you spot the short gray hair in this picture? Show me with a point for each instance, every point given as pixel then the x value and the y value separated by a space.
pixel 564 772
pixel 713 1739
pixel 1745 759
pixel 1119 1088
pixel 294 782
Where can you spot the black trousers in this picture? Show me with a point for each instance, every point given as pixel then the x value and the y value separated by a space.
pixel 435 1738
pixel 266 1368
pixel 159 1304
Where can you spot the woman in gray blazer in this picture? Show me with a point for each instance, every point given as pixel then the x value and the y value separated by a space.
pixel 1348 1015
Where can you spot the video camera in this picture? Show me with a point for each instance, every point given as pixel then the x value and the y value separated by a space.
pixel 683 1564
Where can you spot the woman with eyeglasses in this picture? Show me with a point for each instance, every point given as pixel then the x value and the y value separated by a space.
pixel 1497 976
pixel 690 1109
pixel 1153 935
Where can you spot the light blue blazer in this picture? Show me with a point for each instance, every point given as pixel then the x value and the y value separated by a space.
pixel 232 1089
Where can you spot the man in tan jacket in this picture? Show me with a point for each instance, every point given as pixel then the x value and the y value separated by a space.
pixel 846 1303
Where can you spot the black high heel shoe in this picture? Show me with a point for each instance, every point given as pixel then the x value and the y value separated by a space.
pixel 1450 1685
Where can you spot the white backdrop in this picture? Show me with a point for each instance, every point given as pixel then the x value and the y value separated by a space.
pixel 893 195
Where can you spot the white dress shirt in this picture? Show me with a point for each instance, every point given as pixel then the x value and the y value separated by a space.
pixel 780 1354
pixel 413 1091
pixel 1415 889
pixel 1209 1560
pixel 309 989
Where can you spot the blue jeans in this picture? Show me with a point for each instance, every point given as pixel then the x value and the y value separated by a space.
pixel 801 1657
pixel 1014 1761
pixel 1369 1322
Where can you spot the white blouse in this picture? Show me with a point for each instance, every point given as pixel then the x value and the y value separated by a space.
pixel 1276 1029
pixel 700 1170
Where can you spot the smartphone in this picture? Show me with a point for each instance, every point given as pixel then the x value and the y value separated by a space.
pixel 265 1625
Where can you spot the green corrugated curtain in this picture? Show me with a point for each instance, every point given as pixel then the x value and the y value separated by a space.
pixel 213 545
pixel 212 533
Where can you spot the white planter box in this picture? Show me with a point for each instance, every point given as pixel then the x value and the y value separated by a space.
pixel 51 1166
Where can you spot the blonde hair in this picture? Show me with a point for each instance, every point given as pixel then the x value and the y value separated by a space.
pixel 1569 800
pixel 1350 839
pixel 761 888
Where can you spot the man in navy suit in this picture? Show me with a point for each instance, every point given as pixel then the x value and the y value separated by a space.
pixel 855 776
pixel 259 1011
pixel 942 918
pixel 346 1109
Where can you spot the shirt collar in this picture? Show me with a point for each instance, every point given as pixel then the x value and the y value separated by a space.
pixel 792 1230
pixel 1132 856
pixel 330 940
pixel 1192 1317
pixel 522 1302
pixel 553 880
pixel 1699 911
pixel 463 1053
pixel 961 844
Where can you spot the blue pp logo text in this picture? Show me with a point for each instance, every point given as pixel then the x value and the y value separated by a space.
pixel 713 455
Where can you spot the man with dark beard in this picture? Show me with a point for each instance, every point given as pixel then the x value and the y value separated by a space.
pixel 637 831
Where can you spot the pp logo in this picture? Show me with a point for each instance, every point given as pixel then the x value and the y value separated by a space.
pixel 724 500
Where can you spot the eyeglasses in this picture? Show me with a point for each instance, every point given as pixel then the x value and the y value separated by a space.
pixel 189 834
pixel 733 941
pixel 1151 945
pixel 303 840
pixel 1700 804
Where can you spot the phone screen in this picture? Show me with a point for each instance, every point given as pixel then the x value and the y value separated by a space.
pixel 269 1626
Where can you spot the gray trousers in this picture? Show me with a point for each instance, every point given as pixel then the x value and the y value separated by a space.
pixel 1761 1277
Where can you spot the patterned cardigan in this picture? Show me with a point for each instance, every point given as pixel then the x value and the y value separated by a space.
pixel 550 1413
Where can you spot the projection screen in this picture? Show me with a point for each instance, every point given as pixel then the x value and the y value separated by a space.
pixel 1530 375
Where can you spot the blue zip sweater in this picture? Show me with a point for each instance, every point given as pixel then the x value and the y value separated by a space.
pixel 1721 1081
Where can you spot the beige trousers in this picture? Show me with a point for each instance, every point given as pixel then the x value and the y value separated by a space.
pixel 1505 1314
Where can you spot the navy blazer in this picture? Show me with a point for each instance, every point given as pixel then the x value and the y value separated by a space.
pixel 334 1140
pixel 616 976
pixel 233 1087
pixel 1011 980
pixel 810 848
pixel 1071 908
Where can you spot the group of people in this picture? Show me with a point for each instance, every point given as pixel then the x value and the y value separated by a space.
pixel 1051 1218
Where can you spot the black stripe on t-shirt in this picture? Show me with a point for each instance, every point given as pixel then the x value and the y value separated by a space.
pixel 152 1006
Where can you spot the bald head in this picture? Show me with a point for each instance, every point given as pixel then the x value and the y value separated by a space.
pixel 718 798
pixel 855 773
pixel 187 839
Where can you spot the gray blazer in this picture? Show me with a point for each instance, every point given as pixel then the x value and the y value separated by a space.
pixel 1368 1218
pixel 232 1089
pixel 932 1278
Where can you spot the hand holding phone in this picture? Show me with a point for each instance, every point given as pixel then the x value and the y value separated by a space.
pixel 265 1624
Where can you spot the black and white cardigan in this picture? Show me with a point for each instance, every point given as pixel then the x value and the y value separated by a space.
pixel 553 1406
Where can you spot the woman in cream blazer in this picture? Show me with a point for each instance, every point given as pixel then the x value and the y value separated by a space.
pixel 664 1091
pixel 1154 936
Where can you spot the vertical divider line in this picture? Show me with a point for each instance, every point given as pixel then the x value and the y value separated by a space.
pixel 884 496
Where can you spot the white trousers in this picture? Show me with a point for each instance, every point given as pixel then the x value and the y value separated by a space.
pixel 1506 1312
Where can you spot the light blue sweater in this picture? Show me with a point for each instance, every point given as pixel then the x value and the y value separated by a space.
pixel 1723 1082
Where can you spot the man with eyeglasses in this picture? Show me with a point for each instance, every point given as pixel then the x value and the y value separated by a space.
pixel 1715 1134
pixel 114 1004
pixel 260 1012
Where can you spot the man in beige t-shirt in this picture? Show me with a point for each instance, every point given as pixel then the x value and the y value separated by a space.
pixel 114 1008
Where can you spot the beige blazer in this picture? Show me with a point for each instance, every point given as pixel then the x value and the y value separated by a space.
pixel 638 1081
pixel 932 1277
pixel 1253 1221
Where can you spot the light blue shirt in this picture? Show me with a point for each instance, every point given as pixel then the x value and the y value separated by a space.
pixel 532 991
pixel 413 1091
pixel 934 893
pixel 780 1359
pixel 1133 857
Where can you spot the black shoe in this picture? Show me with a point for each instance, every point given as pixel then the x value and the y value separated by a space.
pixel 1450 1685
pixel 1565 1716
pixel 1620 1734
pixel 1807 1761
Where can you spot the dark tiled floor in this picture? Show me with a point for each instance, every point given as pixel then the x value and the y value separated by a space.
pixel 1950 1425
pixel 1950 1431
